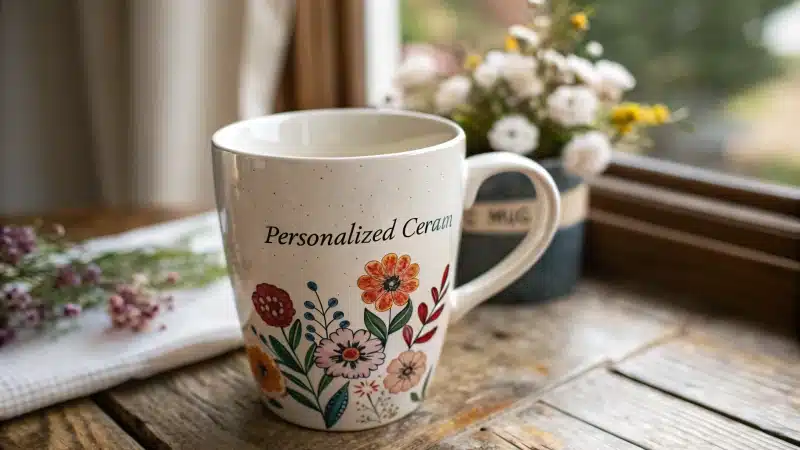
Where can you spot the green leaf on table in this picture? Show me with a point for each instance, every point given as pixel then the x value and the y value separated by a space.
pixel 302 399
pixel 294 334
pixel 324 382
pixel 297 381
pixel 375 325
pixel 336 405
pixel 400 320
pixel 285 357
pixel 309 360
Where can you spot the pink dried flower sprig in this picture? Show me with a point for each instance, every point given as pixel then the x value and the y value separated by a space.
pixel 45 279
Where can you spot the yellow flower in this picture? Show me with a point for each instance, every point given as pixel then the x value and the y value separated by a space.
pixel 661 114
pixel 511 44
pixel 472 61
pixel 580 21
pixel 648 116
pixel 627 113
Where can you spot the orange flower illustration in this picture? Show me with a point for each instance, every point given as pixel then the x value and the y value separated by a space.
pixel 389 281
pixel 266 372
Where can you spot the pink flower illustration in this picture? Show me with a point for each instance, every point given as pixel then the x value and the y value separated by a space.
pixel 405 372
pixel 348 354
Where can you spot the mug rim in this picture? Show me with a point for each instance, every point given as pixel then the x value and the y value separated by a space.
pixel 459 134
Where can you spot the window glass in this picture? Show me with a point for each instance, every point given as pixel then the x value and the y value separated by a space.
pixel 735 64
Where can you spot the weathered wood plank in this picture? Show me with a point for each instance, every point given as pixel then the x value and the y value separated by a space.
pixel 495 356
pixel 760 390
pixel 538 427
pixel 75 425
pixel 652 419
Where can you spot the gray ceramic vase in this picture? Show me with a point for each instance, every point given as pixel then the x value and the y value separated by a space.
pixel 504 210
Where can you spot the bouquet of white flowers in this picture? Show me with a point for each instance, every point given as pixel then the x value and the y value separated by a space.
pixel 547 94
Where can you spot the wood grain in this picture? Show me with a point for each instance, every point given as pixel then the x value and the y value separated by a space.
pixel 495 356
pixel 538 427
pixel 652 419
pixel 760 390
pixel 75 425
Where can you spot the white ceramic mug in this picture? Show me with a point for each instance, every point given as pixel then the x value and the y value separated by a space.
pixel 341 230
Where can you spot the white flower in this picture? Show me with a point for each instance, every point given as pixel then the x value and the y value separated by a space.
pixel 485 75
pixel 542 22
pixel 520 73
pixel 572 106
pixel 452 92
pixel 525 34
pixel 587 154
pixel 537 2
pixel 583 69
pixel 495 58
pixel 594 49
pixel 613 79
pixel 416 70
pixel 514 133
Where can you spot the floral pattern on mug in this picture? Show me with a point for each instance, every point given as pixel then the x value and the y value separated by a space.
pixel 273 305
pixel 266 372
pixel 389 281
pixel 405 372
pixel 349 355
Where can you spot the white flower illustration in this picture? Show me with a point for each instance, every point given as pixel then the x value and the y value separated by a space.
pixel 515 134
pixel 587 154
pixel 452 92
pixel 572 106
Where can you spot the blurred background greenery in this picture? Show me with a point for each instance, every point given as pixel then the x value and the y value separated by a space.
pixel 734 63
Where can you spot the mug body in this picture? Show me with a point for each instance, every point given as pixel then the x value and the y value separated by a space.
pixel 341 231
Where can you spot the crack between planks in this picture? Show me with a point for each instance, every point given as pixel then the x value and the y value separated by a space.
pixel 526 401
pixel 712 410
pixel 579 419
pixel 136 428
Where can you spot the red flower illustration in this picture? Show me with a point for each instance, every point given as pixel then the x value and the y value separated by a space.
pixel 389 281
pixel 273 305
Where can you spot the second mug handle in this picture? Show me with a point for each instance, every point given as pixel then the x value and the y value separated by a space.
pixel 519 261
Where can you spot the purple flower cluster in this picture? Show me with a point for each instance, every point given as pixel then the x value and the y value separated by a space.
pixel 134 306
pixel 16 243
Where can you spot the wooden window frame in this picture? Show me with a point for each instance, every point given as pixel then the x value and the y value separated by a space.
pixel 716 239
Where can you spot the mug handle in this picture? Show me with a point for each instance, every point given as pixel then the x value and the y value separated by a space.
pixel 515 264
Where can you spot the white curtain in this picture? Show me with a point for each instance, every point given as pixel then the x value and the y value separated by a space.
pixel 113 102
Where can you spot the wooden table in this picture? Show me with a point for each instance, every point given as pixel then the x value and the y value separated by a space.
pixel 602 369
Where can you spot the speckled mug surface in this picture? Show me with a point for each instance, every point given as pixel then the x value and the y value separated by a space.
pixel 341 231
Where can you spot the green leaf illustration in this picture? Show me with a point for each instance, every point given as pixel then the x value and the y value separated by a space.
pixel 286 358
pixel 274 403
pixel 324 382
pixel 294 334
pixel 414 397
pixel 302 399
pixel 425 384
pixel 297 381
pixel 399 321
pixel 336 405
pixel 375 325
pixel 309 361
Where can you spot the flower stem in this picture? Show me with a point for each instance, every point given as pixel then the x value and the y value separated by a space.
pixel 305 373
pixel 374 408
pixel 324 314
